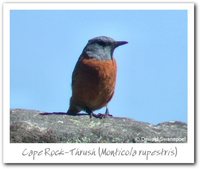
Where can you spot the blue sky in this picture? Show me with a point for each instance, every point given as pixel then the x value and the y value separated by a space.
pixel 152 67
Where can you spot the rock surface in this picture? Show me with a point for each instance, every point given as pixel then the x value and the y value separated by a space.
pixel 28 126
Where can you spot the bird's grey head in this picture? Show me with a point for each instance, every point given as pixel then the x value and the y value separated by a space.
pixel 101 48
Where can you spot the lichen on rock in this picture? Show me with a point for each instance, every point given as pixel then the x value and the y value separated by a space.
pixel 28 126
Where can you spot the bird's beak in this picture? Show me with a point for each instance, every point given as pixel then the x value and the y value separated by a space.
pixel 119 43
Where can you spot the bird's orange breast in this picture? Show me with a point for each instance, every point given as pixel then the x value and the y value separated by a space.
pixel 93 83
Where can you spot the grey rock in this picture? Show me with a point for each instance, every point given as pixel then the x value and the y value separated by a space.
pixel 28 126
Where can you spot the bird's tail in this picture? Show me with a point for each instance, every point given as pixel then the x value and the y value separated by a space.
pixel 72 111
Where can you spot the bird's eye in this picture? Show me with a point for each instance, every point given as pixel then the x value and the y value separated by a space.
pixel 101 43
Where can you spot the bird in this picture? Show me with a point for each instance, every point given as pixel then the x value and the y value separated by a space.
pixel 94 77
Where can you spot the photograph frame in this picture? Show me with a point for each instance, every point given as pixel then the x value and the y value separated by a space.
pixel 62 153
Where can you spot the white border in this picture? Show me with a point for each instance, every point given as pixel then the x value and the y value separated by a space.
pixel 12 152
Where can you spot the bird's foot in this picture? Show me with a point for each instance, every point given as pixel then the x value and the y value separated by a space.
pixel 101 116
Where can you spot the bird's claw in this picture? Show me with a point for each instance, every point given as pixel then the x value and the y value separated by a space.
pixel 101 116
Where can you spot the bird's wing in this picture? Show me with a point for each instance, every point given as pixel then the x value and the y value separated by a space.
pixel 74 74
pixel 76 70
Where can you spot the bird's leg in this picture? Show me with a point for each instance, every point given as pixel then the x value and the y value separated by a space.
pixel 90 113
pixel 107 111
pixel 104 115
